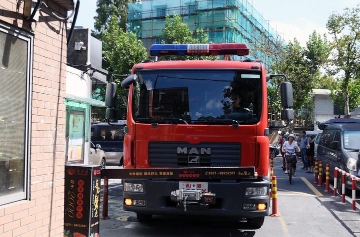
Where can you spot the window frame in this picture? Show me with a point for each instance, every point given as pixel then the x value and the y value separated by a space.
pixel 29 39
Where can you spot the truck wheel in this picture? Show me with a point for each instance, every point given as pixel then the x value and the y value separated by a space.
pixel 143 217
pixel 256 222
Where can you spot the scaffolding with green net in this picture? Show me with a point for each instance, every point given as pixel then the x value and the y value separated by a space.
pixel 224 21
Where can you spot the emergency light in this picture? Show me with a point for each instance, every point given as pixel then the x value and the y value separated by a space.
pixel 239 49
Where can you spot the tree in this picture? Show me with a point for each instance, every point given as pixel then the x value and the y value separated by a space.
pixel 301 65
pixel 178 32
pixel 326 82
pixel 345 60
pixel 120 52
pixel 272 52
pixel 354 94
pixel 106 10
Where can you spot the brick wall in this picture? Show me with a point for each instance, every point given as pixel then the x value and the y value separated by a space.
pixel 42 215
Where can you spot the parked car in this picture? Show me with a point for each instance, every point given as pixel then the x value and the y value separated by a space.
pixel 111 139
pixel 339 147
pixel 97 156
pixel 274 150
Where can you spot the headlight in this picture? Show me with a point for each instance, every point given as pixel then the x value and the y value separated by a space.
pixel 133 187
pixel 256 191
pixel 351 164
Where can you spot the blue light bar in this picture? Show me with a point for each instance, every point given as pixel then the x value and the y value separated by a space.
pixel 199 49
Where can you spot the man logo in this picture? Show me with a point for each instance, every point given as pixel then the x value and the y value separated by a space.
pixel 193 151
pixel 193 159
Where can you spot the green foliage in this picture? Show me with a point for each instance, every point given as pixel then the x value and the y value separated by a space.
pixel 317 52
pixel 326 82
pixel 178 32
pixel 120 52
pixel 271 52
pixel 354 94
pixel 106 10
pixel 345 57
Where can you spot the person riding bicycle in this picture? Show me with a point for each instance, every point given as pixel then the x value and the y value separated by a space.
pixel 290 147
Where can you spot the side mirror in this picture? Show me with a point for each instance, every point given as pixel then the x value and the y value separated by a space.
pixel 286 91
pixel 129 80
pixel 321 126
pixel 110 96
pixel 334 145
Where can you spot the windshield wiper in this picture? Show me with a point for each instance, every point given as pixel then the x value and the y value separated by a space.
pixel 219 121
pixel 162 120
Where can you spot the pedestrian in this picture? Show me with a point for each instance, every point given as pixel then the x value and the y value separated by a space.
pixel 310 152
pixel 303 143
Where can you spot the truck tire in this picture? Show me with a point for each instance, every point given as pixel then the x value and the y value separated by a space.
pixel 142 218
pixel 256 222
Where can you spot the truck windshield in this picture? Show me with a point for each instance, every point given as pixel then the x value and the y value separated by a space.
pixel 197 96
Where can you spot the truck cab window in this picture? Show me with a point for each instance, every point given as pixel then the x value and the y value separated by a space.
pixel 197 95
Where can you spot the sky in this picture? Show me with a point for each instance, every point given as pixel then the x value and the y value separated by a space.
pixel 290 18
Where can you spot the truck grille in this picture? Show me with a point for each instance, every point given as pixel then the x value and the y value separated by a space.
pixel 179 154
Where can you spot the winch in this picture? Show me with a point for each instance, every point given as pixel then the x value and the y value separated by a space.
pixel 192 197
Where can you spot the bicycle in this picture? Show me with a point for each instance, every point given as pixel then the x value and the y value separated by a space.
pixel 291 162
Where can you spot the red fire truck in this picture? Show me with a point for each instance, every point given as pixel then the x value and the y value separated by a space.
pixel 197 131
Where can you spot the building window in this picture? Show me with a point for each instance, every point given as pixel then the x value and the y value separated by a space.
pixel 160 12
pixel 16 79
pixel 192 8
pixel 158 40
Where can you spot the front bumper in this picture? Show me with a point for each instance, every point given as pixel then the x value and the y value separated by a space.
pixel 230 199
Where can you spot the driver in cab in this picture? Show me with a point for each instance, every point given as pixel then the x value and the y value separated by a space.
pixel 238 112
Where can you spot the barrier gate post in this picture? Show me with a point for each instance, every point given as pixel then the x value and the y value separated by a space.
pixel 82 200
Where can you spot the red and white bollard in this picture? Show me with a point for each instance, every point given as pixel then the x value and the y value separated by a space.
pixel 343 177
pixel 335 180
pixel 353 192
